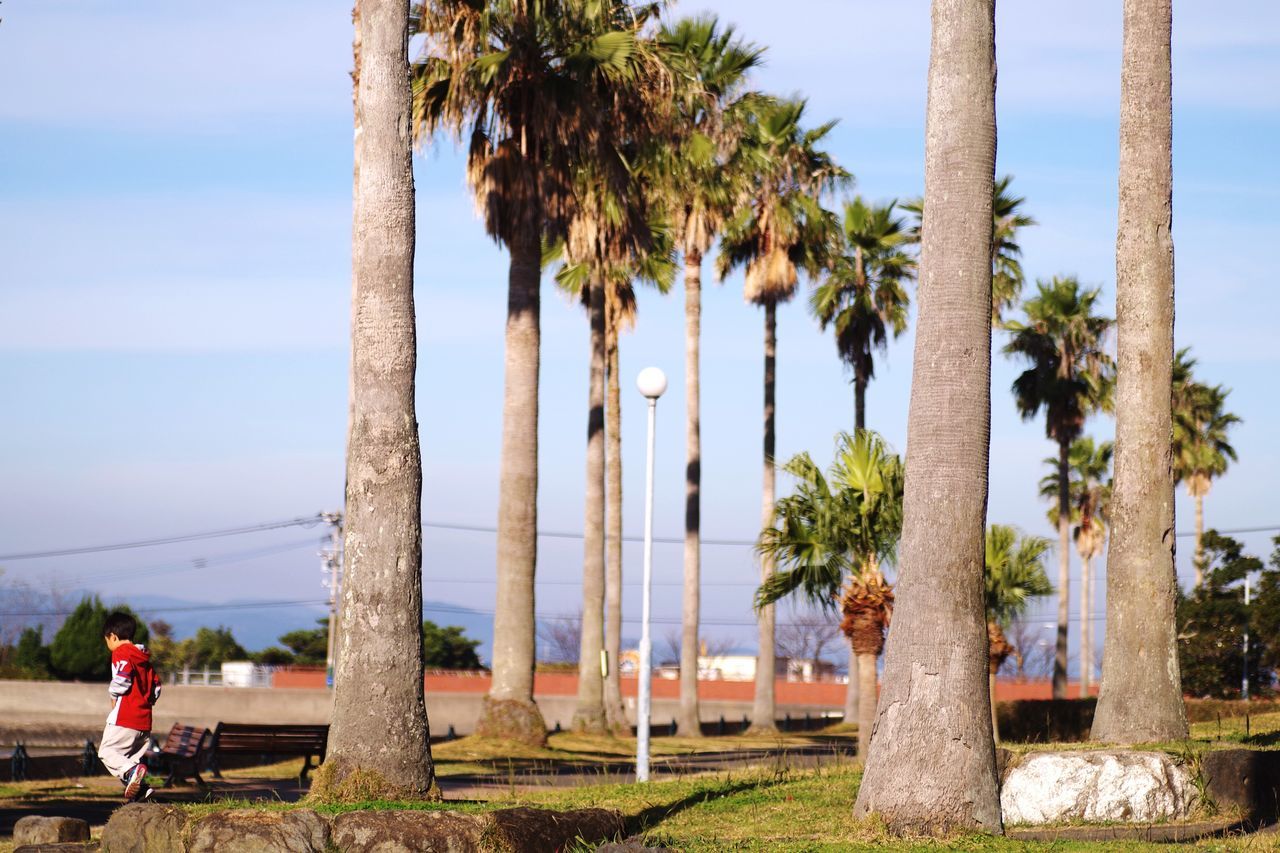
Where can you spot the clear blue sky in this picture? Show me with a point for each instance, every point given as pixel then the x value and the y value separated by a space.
pixel 174 286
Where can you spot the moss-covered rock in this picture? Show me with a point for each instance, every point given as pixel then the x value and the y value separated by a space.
pixel 252 831
pixel 455 832
pixel 145 828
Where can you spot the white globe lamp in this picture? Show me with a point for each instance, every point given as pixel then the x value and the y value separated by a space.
pixel 652 382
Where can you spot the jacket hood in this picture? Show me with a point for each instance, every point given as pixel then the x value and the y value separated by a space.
pixel 135 653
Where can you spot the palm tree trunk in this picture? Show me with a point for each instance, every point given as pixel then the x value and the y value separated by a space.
pixel 689 722
pixel 615 711
pixel 931 767
pixel 851 691
pixel 866 703
pixel 1141 695
pixel 379 725
pixel 1199 545
pixel 589 715
pixel 1086 629
pixel 764 708
pixel 509 710
pixel 1064 571
pixel 859 401
pixel 1140 698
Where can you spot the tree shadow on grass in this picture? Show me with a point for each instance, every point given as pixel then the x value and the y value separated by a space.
pixel 646 819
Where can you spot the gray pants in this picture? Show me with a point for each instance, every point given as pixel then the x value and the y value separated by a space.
pixel 122 749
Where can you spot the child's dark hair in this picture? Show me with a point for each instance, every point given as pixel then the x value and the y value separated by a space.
pixel 121 624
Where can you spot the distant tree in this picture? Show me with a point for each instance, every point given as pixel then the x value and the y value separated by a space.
pixel 1013 574
pixel 1201 449
pixel 448 648
pixel 1069 375
pixel 31 655
pixel 77 651
pixel 561 639
pixel 1212 622
pixel 309 646
pixel 211 646
pixel 274 656
pixel 1265 619
pixel 165 650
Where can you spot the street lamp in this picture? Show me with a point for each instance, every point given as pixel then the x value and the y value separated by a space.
pixel 651 382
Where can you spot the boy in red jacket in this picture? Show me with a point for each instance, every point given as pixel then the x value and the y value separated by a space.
pixel 134 688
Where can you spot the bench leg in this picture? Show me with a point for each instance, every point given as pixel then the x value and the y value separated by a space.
pixel 306 768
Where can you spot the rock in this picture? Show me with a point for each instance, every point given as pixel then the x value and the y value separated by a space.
pixel 1243 779
pixel 145 828
pixel 407 832
pixel 1096 786
pixel 543 829
pixel 63 847
pixel 443 831
pixel 254 830
pixel 36 829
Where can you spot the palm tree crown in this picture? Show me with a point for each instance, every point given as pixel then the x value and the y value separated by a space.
pixel 1014 573
pixel 1070 373
pixel 1089 486
pixel 862 294
pixel 537 90
pixel 779 224
pixel 844 522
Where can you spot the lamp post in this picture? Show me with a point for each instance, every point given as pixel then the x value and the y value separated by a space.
pixel 652 382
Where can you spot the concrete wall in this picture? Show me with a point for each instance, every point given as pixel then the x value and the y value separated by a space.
pixel 50 713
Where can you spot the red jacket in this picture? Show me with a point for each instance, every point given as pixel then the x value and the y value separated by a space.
pixel 135 687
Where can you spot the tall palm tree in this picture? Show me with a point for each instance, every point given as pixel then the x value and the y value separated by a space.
pixel 863 295
pixel 1141 695
pixel 1089 487
pixel 714 64
pixel 779 226
pixel 931 765
pixel 1201 449
pixel 610 241
pixel 835 527
pixel 537 90
pixel 1014 574
pixel 1069 377
pixel 380 731
pixel 1007 219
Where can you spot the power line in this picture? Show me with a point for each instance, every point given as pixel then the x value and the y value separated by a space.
pixel 248 605
pixel 564 534
pixel 307 521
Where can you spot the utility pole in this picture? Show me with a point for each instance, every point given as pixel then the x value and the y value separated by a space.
pixel 1244 682
pixel 331 566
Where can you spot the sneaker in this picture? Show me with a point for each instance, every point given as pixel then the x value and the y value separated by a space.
pixel 145 794
pixel 134 782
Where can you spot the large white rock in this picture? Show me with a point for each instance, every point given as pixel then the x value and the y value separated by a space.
pixel 1096 786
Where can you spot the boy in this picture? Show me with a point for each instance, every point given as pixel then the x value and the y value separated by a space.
pixel 134 688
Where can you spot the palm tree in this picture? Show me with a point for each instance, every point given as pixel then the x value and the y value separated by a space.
pixel 1014 574
pixel 610 241
pixel 1069 376
pixel 379 729
pixel 863 295
pixel 537 90
pixel 709 113
pixel 1141 695
pixel 1089 487
pixel 1007 219
pixel 841 525
pixel 1201 451
pixel 779 226
pixel 931 765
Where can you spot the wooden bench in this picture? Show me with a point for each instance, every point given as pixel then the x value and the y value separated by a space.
pixel 256 739
pixel 184 752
